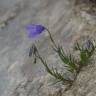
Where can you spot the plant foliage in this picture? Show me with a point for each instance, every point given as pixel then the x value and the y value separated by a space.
pixel 74 66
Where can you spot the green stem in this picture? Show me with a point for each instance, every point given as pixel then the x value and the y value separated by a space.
pixel 53 72
pixel 52 40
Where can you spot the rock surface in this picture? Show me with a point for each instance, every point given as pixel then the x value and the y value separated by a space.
pixel 68 20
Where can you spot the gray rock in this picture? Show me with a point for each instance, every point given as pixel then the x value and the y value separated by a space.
pixel 67 22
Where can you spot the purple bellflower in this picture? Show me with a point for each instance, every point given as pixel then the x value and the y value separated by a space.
pixel 34 30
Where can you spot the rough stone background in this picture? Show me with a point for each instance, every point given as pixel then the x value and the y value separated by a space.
pixel 68 21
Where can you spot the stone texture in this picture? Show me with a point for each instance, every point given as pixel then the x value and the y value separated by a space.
pixel 68 21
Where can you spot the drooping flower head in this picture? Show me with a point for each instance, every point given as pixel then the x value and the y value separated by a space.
pixel 34 30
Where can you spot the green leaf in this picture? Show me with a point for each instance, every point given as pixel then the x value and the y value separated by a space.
pixel 67 59
pixel 83 56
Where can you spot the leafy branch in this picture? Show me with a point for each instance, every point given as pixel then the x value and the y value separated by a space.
pixel 68 60
pixel 86 52
pixel 52 71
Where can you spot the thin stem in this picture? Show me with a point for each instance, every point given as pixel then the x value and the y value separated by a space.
pixel 53 72
pixel 52 39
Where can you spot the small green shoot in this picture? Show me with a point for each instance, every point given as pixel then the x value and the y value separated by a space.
pixel 52 71
pixel 86 52
pixel 68 60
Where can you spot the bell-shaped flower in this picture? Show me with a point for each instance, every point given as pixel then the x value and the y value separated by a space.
pixel 34 30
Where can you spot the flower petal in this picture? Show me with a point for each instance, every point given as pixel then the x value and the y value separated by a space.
pixel 34 29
